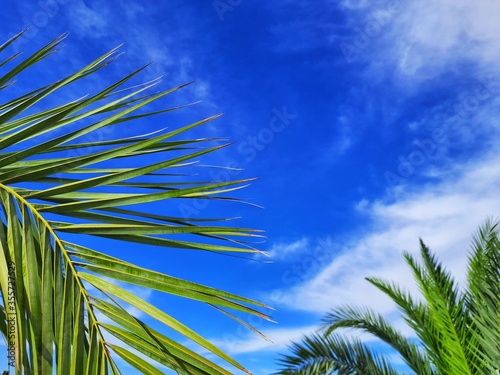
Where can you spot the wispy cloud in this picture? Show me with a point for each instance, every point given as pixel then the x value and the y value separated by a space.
pixel 431 37
pixel 422 40
pixel 444 215
pixel 313 31
pixel 169 52
pixel 284 251
pixel 280 337
pixel 90 21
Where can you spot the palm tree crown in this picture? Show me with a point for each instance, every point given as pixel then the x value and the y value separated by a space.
pixel 457 330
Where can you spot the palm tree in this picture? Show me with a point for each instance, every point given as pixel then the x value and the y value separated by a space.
pixel 457 330
pixel 62 301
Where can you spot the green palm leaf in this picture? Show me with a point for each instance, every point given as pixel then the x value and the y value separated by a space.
pixel 458 330
pixel 332 354
pixel 62 185
pixel 368 321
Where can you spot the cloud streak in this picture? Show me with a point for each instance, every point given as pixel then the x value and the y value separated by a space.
pixel 280 337
pixel 444 215
pixel 422 40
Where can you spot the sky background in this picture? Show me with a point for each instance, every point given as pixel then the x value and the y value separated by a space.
pixel 369 124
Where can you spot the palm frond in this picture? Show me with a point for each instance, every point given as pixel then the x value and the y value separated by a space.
pixel 320 354
pixel 483 295
pixel 63 184
pixel 368 321
pixel 446 310
pixel 458 330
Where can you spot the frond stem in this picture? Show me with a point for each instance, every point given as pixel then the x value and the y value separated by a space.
pixel 69 263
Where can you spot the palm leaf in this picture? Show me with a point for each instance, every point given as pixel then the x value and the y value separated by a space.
pixel 332 354
pixel 368 321
pixel 63 184
pixel 446 311
pixel 458 330
pixel 483 296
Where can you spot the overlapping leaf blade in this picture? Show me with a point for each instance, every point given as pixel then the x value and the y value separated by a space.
pixel 57 326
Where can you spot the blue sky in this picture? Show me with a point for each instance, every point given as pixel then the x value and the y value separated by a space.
pixel 369 124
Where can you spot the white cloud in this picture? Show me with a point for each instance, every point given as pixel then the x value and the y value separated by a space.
pixel 423 39
pixel 407 44
pixel 432 29
pixel 88 22
pixel 444 215
pixel 171 54
pixel 345 137
pixel 133 9
pixel 355 4
pixel 288 250
pixel 280 337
